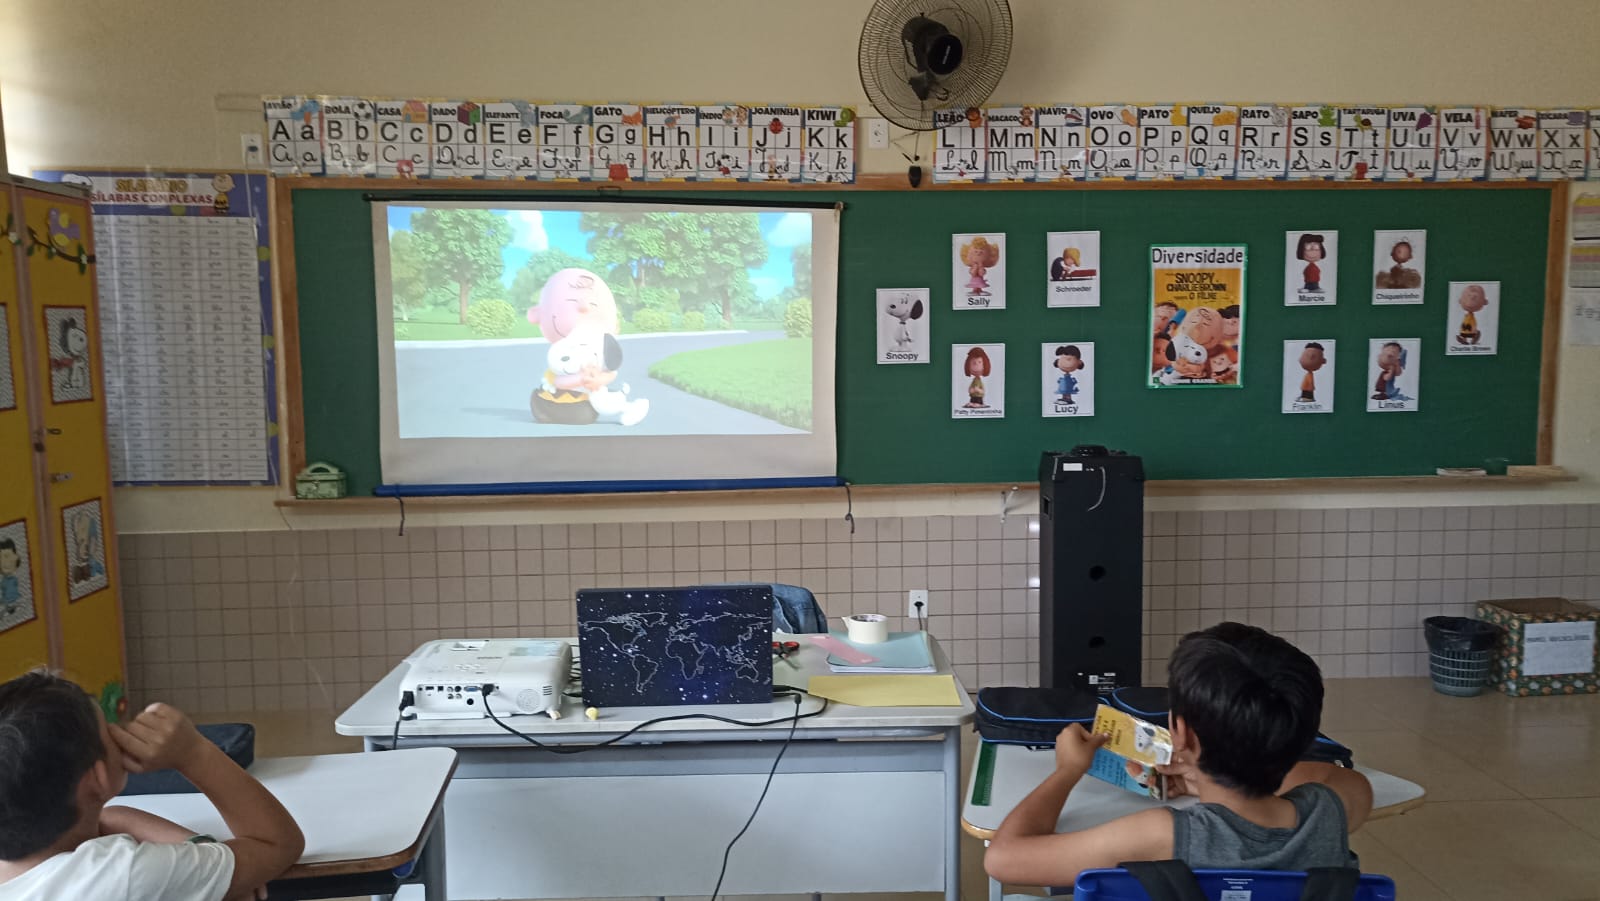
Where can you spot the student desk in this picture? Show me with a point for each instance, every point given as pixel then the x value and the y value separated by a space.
pixel 1004 774
pixel 867 799
pixel 362 816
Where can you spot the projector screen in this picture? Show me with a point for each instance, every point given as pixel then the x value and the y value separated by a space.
pixel 538 344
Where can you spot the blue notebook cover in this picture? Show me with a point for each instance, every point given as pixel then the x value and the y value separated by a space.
pixel 903 652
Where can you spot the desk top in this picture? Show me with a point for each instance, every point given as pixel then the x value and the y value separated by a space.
pixel 1014 770
pixel 373 715
pixel 360 813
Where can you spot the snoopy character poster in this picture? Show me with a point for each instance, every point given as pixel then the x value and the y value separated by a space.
pixel 1069 370
pixel 1196 315
pixel 903 315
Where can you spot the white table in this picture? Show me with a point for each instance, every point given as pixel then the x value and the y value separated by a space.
pixel 361 814
pixel 1004 774
pixel 866 800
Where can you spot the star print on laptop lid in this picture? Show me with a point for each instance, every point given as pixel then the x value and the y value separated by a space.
pixel 646 647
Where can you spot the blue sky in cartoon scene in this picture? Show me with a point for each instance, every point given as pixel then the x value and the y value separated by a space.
pixel 536 230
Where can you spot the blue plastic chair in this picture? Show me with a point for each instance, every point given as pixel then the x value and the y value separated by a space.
pixel 1257 885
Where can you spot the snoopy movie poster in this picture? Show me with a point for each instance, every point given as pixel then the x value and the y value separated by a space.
pixel 518 321
pixel 1196 315
pixel 903 315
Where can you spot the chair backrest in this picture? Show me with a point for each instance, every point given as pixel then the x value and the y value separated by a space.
pixel 794 609
pixel 1257 885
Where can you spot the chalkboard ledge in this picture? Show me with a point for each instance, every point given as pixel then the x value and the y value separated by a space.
pixel 1516 477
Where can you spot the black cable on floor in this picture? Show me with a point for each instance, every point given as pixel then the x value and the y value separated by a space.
pixel 726 852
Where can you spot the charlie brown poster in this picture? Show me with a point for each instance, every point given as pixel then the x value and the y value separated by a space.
pixel 1196 315
pixel 1474 319
pixel 1074 269
pixel 978 271
pixel 1068 368
pixel 1308 375
pixel 978 381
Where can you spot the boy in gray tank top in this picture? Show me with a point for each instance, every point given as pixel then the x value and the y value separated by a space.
pixel 1245 707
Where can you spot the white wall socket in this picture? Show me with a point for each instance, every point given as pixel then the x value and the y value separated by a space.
pixel 878 134
pixel 913 598
pixel 250 147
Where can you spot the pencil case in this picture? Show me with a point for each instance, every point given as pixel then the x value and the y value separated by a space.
pixel 1032 716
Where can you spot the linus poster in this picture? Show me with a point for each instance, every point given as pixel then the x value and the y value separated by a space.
pixel 1073 269
pixel 1196 315
pixel 1311 268
pixel 1394 375
pixel 978 272
pixel 1308 375
pixel 1473 328
pixel 978 381
pixel 1068 369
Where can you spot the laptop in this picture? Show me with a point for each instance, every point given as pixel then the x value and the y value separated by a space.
pixel 649 647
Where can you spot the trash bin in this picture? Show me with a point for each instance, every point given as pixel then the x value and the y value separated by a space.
pixel 1460 651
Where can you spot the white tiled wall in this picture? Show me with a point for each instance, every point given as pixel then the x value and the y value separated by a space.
pixel 309 619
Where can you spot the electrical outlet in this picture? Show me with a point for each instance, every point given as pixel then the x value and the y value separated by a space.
pixel 250 144
pixel 914 597
pixel 878 134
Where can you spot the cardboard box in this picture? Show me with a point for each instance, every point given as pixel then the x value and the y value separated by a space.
pixel 1549 647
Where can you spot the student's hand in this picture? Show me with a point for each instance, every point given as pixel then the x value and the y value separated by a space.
pixel 1177 773
pixel 159 738
pixel 1075 749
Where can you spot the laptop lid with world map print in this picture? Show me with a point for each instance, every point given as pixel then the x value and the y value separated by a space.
pixel 646 647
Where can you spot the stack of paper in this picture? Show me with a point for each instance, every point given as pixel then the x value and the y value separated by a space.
pixel 904 652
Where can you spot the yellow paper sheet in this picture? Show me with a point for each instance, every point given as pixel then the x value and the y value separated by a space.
pixel 888 691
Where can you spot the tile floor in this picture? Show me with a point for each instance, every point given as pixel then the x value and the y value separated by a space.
pixel 1513 807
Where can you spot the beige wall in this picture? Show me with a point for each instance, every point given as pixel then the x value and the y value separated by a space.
pixel 174 83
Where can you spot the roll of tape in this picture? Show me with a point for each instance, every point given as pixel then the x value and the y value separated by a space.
pixel 867 628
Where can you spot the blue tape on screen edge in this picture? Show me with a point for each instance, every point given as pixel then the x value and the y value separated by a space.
pixel 603 487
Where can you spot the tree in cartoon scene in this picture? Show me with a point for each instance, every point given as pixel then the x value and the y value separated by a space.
pixel 461 246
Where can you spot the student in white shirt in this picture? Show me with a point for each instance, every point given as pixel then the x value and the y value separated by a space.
pixel 60 762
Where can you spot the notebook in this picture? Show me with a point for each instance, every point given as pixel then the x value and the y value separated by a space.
pixel 904 652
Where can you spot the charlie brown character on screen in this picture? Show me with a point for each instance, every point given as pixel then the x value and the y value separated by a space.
pixel 577 314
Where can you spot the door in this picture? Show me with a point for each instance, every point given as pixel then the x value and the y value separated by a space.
pixel 24 630
pixel 68 374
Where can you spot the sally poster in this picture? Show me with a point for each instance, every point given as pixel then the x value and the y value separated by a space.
pixel 1196 315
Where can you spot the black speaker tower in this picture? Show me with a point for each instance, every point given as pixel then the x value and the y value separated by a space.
pixel 1091 569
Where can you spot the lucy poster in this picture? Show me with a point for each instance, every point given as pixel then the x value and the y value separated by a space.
pixel 1474 321
pixel 903 325
pixel 1398 262
pixel 978 382
pixel 1394 370
pixel 1068 368
pixel 1308 375
pixel 978 272
pixel 1196 314
pixel 16 580
pixel 1311 268
pixel 84 530
pixel 1074 269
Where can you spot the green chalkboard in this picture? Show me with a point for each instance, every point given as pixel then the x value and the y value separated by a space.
pixel 894 421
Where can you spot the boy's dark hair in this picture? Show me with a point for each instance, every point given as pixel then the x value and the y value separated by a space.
pixel 49 738
pixel 1315 344
pixel 6 544
pixel 1253 700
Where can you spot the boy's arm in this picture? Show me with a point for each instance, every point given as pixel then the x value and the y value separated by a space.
pixel 1351 787
pixel 266 839
pixel 143 826
pixel 1027 849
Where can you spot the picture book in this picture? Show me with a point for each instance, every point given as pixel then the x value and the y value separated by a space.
pixel 1131 753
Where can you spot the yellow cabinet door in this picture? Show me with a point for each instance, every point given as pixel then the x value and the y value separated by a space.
pixel 24 630
pixel 69 374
